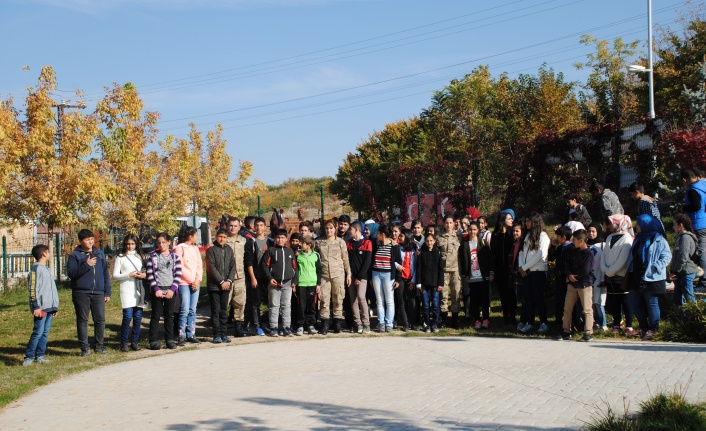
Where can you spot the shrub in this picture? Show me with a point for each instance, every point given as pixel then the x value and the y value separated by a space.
pixel 686 324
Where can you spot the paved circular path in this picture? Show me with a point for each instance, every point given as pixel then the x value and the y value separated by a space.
pixel 365 383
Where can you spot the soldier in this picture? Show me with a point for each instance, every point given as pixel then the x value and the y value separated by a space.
pixel 449 244
pixel 237 292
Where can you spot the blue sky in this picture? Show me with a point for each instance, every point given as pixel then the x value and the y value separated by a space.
pixel 297 84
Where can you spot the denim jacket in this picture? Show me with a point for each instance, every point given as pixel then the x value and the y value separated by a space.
pixel 658 259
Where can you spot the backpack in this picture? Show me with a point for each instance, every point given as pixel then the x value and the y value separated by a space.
pixel 407 265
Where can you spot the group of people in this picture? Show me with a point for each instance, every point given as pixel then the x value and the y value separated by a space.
pixel 416 278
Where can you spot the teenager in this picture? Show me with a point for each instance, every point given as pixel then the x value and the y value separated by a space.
pixel 164 274
pixel 578 264
pixel 533 268
pixel 429 278
pixel 645 204
pixel 360 251
pixel 191 276
pixel 279 264
pixel 501 243
pixel 220 270
pixel 683 269
pixel 406 291
pixel 600 293
pixel 475 266
pixel 256 281
pixel 385 260
pixel 694 208
pixel 129 270
pixel 614 263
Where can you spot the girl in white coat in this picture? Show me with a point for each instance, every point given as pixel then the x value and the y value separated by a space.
pixel 129 271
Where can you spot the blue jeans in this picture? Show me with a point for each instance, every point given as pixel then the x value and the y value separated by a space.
pixel 684 289
pixel 187 312
pixel 37 346
pixel 384 296
pixel 133 314
pixel 430 296
pixel 645 305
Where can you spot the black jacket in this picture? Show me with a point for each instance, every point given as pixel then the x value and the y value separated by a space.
pixel 280 264
pixel 579 263
pixel 485 259
pixel 220 266
pixel 430 267
pixel 250 256
pixel 360 254
pixel 501 250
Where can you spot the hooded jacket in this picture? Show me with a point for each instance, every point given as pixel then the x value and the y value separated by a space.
pixel 280 264
pixel 94 280
pixel 42 289
pixel 220 266
pixel 430 267
pixel 684 247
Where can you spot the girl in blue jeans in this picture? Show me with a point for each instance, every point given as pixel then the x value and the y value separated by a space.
pixel 191 275
pixel 647 265
pixel 430 281
pixel 385 260
pixel 129 271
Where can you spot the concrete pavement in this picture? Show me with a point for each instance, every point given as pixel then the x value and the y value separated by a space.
pixel 365 383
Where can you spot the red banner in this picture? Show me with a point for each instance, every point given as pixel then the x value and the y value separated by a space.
pixel 442 207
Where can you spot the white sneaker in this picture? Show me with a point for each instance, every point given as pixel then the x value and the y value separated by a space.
pixel 543 328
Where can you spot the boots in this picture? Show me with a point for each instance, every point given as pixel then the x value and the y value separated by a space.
pixel 134 346
pixel 239 332
pixel 454 320
pixel 324 327
pixel 124 347
pixel 337 326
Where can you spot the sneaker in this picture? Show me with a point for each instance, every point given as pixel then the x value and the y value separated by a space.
pixel 274 334
pixel 42 360
pixel 260 332
pixel 192 340
pixel 366 329
pixel 124 347
pixel 312 330
pixel 225 339
pixel 616 330
pixel 434 329
pixel 525 329
pixel 300 331
pixel 355 330
pixel 360 329
pixel 586 338
pixel 649 335
pixel 381 328
pixel 485 324
pixel 288 332
pixel 404 328
pixel 135 346
pixel 543 328
pixel 27 362
pixel 520 326
pixel 216 340
pixel 280 332
pixel 427 330
pixel 563 336
pixel 629 332
pixel 477 325
pixel 181 341
pixel 155 345
pixel 171 345
pixel 101 351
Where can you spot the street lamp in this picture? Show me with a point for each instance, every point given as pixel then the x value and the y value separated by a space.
pixel 636 68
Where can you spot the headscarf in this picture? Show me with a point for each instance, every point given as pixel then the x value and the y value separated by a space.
pixel 599 238
pixel 473 213
pixel 373 228
pixel 507 211
pixel 621 224
pixel 649 230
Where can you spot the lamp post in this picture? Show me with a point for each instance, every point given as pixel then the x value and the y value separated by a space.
pixel 636 68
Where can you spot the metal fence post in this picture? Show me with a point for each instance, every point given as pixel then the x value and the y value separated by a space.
pixel 57 251
pixel 4 261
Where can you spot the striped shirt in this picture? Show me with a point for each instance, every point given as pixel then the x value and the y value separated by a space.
pixel 382 260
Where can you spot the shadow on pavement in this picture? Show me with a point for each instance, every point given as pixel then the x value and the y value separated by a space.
pixel 653 347
pixel 322 416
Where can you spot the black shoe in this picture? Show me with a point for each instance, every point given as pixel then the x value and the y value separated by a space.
pixel 181 341
pixel 134 346
pixel 101 350
pixel 225 339
pixel 239 332
pixel 192 340
pixel 562 336
pixel 586 338
pixel 324 327
pixel 404 328
pixel 124 347
pixel 454 320
pixel 85 352
pixel 155 345
pixel 336 326
pixel 171 345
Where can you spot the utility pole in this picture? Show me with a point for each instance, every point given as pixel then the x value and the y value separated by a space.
pixel 80 104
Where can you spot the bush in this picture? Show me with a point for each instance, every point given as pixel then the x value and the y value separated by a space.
pixel 686 324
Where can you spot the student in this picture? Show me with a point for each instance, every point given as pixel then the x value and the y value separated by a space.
pixel 406 291
pixel 501 243
pixel 191 276
pixel 578 264
pixel 309 265
pixel 385 260
pixel 431 229
pixel 238 291
pixel 694 208
pixel 614 261
pixel 475 266
pixel 418 233
pixel 344 223
pixel 448 244
pixel 295 245
pixel 279 266
pixel 517 283
pixel 396 233
pixel 164 275
pixel 91 290
pixel 557 253
pixel 360 252
pixel 247 230
pixel 595 244
pixel 43 304
pixel 647 264
pixel 255 281
pixel 484 233
pixel 220 272
pixel 430 278
pixel 684 269
pixel 533 268
pixel 608 200
pixel 336 275
pixel 645 204
pixel 574 207
pixel 129 271
pixel 306 229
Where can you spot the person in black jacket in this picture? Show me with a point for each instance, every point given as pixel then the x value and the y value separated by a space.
pixel 255 281
pixel 430 281
pixel 279 267
pixel 220 272
pixel 360 251
pixel 573 206
pixel 578 264
pixel 501 246
pixel 475 262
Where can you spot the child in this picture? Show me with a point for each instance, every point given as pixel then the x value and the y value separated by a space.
pixel 164 275
pixel 191 275
pixel 430 279
pixel 557 253
pixel 431 229
pixel 360 251
pixel 683 269
pixel 475 266
pixel 43 303
pixel 279 266
pixel 129 271
pixel 309 265
pixel 517 283
pixel 220 272
pixel 595 244
pixel 385 260
pixel 418 233
pixel 578 265
pixel 533 268
pixel 405 293
pixel 295 245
